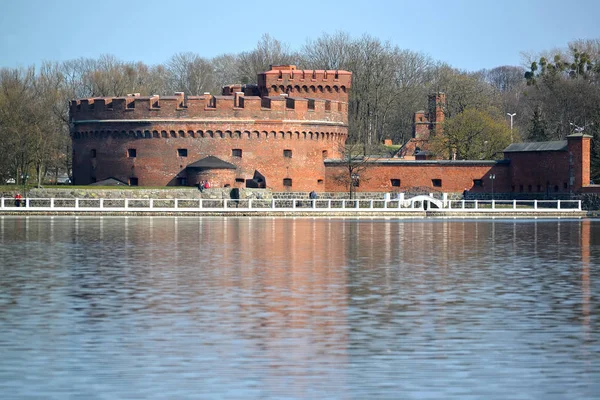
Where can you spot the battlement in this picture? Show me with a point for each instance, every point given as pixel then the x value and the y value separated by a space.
pixel 282 93
pixel 207 106
pixel 324 84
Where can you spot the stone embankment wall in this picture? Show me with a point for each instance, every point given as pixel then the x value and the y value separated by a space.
pixel 216 193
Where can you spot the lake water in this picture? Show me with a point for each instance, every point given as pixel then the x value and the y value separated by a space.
pixel 261 308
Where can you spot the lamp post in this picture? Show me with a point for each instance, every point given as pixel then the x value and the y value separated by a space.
pixel 492 178
pixel 511 125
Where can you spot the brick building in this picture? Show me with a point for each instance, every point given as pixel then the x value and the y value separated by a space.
pixel 425 123
pixel 280 130
pixel 287 134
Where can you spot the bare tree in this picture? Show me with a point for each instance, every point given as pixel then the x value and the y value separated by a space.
pixel 328 52
pixel 354 162
pixel 268 51
pixel 226 67
pixel 190 73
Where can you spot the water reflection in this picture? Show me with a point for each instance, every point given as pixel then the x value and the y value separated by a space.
pixel 298 308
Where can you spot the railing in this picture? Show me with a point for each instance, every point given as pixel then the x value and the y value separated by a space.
pixel 287 205
pixel 513 205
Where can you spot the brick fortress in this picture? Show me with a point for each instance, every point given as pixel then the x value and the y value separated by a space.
pixel 275 134
pixel 286 133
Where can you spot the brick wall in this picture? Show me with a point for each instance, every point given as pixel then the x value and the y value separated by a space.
pixel 454 176
pixel 158 163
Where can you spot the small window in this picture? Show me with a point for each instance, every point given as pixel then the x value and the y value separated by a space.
pixel 436 182
pixel 133 181
pixel 396 182
pixel 287 182
pixel 182 152
pixel 236 153
pixel 181 181
pixel 325 154
pixel 539 188
pixel 131 153
pixel 93 153
pixel 287 153
pixel 477 182
pixel 556 188
pixel 521 188
pixel 565 186
pixel 319 181
pixel 512 188
pixel 529 188
pixel 240 180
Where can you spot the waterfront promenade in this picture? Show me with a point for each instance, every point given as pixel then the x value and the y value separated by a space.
pixel 412 207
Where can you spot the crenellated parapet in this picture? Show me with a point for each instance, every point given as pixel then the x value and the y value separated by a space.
pixel 209 107
pixel 322 84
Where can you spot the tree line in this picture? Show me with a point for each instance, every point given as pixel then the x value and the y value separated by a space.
pixel 556 94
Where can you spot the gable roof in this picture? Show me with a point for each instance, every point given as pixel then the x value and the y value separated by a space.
pixel 109 182
pixel 211 162
pixel 557 145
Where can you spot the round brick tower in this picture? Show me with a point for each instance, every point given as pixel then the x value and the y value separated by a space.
pixel 275 134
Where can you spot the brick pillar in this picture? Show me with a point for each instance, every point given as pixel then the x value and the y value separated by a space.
pixel 579 160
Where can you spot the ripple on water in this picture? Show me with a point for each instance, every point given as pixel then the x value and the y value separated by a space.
pixel 105 308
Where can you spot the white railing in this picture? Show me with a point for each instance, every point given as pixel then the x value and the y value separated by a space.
pixel 512 205
pixel 420 203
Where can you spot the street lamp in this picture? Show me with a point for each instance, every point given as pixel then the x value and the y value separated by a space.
pixel 492 178
pixel 511 124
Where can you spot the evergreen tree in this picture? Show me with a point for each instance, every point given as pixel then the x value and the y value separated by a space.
pixel 538 129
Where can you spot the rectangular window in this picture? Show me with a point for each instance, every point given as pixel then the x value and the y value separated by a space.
pixel 325 154
pixel 287 182
pixel 131 153
pixel 436 182
pixel 539 188
pixel 319 181
pixel 181 181
pixel 93 153
pixel 240 180
pixel 236 153
pixel 396 182
pixel 565 186
pixel 477 182
pixel 287 153
pixel 521 188
pixel 133 181
pixel 182 152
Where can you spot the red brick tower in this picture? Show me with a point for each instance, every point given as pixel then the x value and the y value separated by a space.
pixel 281 130
pixel 579 160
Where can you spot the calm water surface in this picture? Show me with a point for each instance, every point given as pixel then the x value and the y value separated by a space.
pixel 225 308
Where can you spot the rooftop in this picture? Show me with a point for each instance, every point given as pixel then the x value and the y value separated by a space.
pixel 557 145
pixel 211 162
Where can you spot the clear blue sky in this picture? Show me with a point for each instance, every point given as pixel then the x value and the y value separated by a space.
pixel 467 34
